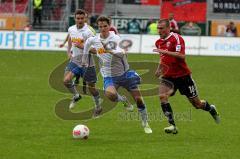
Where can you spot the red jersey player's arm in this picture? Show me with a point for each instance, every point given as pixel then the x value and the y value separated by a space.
pixel 170 53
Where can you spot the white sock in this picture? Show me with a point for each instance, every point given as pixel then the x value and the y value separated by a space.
pixel 120 98
pixel 144 116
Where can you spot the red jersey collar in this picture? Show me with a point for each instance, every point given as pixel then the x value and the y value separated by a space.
pixel 170 34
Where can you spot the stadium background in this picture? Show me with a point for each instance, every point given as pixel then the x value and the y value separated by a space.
pixel 29 54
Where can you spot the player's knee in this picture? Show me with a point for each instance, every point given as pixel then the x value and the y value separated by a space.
pixel 163 97
pixel 94 92
pixel 111 96
pixel 92 89
pixel 66 82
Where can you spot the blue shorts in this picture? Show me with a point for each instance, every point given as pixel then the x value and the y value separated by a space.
pixel 129 80
pixel 88 74
pixel 75 69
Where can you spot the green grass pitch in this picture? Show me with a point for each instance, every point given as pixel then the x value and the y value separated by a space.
pixel 31 129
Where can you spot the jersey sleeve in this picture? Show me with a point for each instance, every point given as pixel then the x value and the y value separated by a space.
pixel 69 30
pixel 156 43
pixel 179 45
pixel 87 46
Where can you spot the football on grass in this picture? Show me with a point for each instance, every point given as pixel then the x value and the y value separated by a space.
pixel 80 132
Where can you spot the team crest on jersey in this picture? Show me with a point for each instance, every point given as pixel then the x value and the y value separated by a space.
pixel 77 40
pixel 178 48
pixel 168 43
pixel 111 45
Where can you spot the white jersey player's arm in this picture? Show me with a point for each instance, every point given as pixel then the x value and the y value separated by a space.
pixel 69 47
pixel 86 35
pixel 117 52
pixel 86 49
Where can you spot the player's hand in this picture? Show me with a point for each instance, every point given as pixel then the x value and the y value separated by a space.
pixel 161 51
pixel 156 50
pixel 158 73
pixel 61 45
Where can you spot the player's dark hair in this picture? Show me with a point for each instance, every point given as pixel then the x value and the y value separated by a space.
pixel 104 19
pixel 80 11
pixel 166 21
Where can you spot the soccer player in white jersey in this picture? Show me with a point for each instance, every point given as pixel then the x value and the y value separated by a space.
pixel 78 34
pixel 63 44
pixel 115 69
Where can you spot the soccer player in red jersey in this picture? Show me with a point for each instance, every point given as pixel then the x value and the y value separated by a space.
pixel 176 75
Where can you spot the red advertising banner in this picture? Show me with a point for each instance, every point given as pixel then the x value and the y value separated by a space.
pixel 150 2
pixel 185 10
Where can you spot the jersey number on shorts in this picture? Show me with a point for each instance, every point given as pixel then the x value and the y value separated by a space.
pixel 192 90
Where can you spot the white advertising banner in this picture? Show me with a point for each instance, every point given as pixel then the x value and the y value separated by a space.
pixel 195 45
pixel 220 46
pixel 132 42
pixel 192 46
pixel 148 43
pixel 31 40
